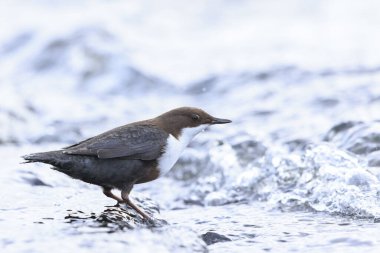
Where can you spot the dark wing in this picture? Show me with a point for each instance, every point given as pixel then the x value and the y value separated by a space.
pixel 143 142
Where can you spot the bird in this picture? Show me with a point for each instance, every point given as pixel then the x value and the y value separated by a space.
pixel 134 153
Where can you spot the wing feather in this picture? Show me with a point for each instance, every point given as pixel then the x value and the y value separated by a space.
pixel 134 141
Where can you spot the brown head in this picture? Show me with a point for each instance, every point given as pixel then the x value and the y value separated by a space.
pixel 176 120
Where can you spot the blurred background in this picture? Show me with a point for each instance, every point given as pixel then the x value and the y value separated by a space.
pixel 66 63
pixel 299 78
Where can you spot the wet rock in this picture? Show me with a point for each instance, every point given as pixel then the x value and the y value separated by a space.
pixel 212 237
pixel 112 219
pixel 116 218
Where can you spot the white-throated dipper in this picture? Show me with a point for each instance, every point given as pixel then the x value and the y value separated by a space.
pixel 135 153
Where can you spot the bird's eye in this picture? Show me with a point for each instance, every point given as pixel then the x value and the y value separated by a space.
pixel 195 117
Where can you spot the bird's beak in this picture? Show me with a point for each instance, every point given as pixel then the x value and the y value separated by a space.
pixel 220 121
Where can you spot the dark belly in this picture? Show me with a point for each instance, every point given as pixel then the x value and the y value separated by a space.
pixel 114 173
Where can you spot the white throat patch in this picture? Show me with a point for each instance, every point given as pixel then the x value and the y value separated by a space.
pixel 175 147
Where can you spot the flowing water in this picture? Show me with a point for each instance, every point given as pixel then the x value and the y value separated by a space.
pixel 297 170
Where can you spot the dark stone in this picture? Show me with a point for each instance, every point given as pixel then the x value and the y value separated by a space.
pixel 112 219
pixel 212 237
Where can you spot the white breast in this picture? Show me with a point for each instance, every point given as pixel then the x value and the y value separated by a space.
pixel 174 148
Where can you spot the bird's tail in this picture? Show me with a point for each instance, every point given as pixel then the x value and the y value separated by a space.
pixel 43 157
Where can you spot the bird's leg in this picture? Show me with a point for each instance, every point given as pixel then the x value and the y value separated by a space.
pixel 107 191
pixel 125 196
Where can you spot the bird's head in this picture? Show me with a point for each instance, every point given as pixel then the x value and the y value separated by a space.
pixel 188 121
